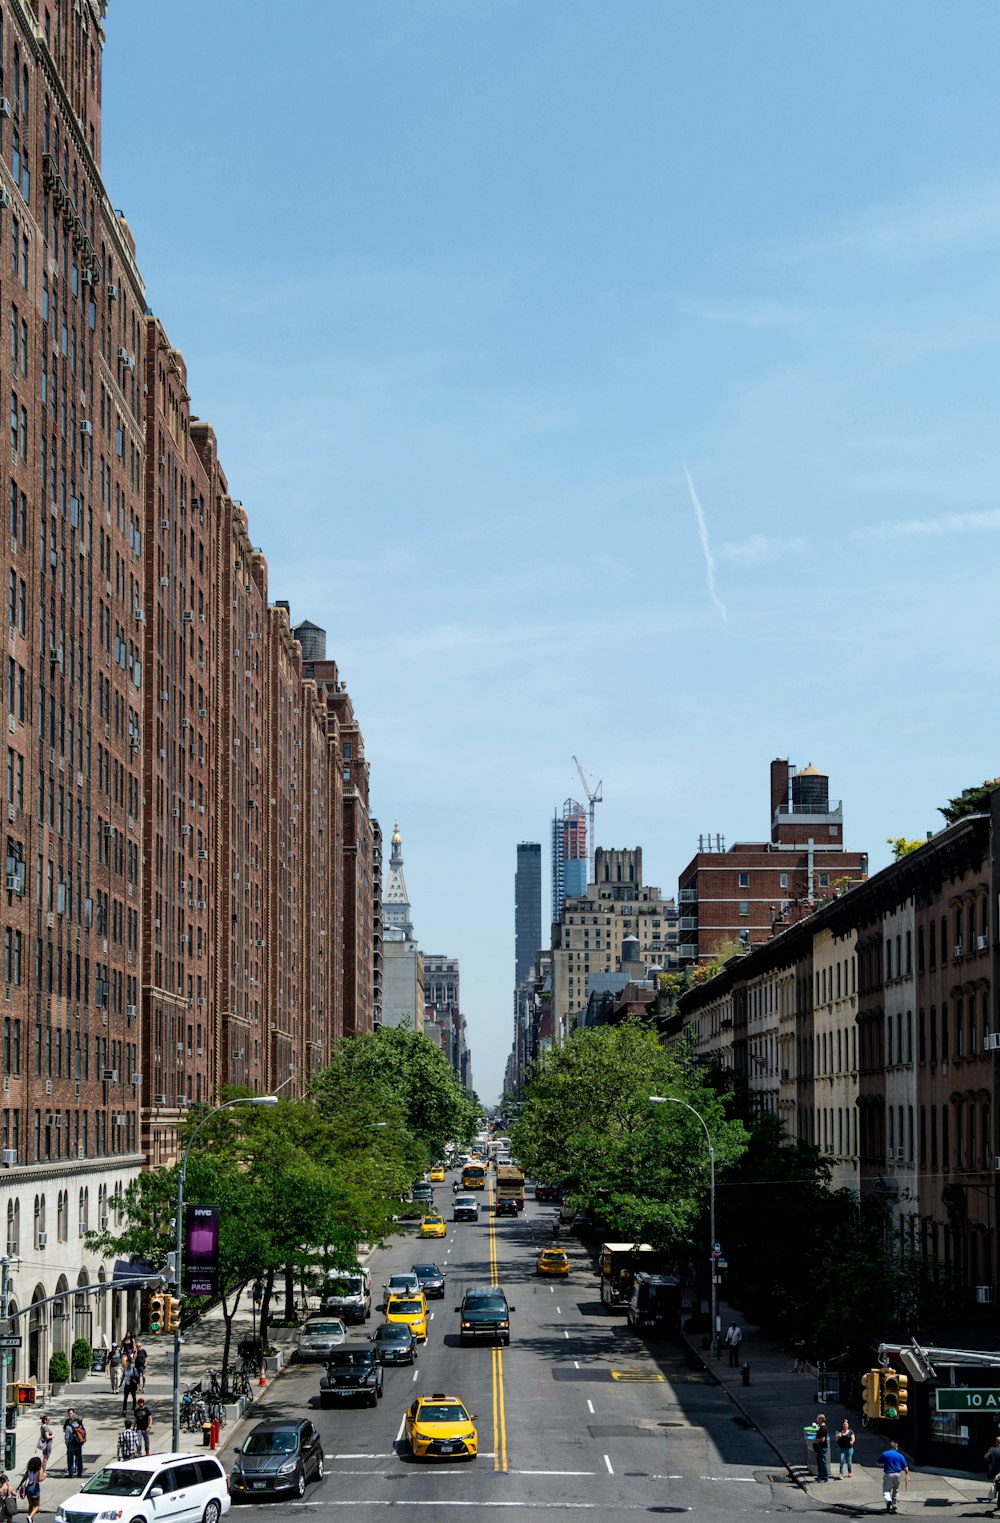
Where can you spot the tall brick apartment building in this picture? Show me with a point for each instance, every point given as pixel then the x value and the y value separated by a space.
pixel 743 893
pixel 190 889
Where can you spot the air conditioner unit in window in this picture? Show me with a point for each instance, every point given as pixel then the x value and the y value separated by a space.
pixel 48 1086
pixel 130 1011
pixel 4 197
pixel 164 581
pixel 87 428
pixel 136 1080
pixel 958 950
pixel 104 1224
pixel 82 1229
pixel 109 1075
pixel 991 1041
pixel 113 292
pixel 984 1294
pixel 12 883
pixel 982 942
pixel 123 354
pixel 159 1099
pixel 8 1157
pixel 81 1151
pixel 4 106
pixel 177 814
pixel 188 616
pixel 43 1238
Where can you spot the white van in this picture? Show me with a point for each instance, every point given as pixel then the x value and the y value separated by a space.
pixel 162 1488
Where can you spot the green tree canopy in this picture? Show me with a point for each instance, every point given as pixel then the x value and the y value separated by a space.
pixel 974 800
pixel 588 1125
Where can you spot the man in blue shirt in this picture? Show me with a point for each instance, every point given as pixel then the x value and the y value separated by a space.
pixel 894 1467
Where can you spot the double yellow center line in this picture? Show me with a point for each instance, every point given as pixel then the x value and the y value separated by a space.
pixel 499 1412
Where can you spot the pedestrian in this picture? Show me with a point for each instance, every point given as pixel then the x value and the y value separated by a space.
pixel 734 1337
pixel 115 1367
pixel 845 1446
pixel 75 1436
pixel 31 1485
pixel 799 1367
pixel 140 1360
pixel 129 1443
pixel 130 1386
pixel 893 1467
pixel 821 1447
pixel 128 1344
pixel 8 1499
pixel 992 1460
pixel 46 1433
pixel 144 1422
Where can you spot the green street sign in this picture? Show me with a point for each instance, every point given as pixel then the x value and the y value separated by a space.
pixel 967 1399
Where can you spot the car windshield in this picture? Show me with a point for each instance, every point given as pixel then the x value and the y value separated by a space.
pixel 442 1412
pixel 405 1308
pixel 432 1221
pixel 324 1329
pixel 401 1281
pixel 427 1271
pixel 115 1482
pixel 284 1441
pixel 342 1358
pixel 351 1286
pixel 389 1334
pixel 485 1301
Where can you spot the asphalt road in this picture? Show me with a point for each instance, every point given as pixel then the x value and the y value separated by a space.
pixel 577 1415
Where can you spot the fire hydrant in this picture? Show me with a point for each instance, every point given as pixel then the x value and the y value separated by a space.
pixel 216 1431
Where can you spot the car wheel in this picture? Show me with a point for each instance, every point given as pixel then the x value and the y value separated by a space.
pixel 373 1399
pixel 506 1342
pixel 300 1482
pixel 320 1467
pixel 212 1513
pixel 381 1393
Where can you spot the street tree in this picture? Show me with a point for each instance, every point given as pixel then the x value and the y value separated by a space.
pixel 588 1125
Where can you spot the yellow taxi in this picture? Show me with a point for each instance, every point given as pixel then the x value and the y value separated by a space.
pixel 437 1174
pixel 411 1309
pixel 440 1427
pixel 552 1261
pixel 433 1226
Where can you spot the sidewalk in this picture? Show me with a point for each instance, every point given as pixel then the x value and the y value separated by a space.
pixel 100 1409
pixel 779 1404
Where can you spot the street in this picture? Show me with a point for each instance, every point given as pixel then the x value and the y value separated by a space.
pixel 576 1415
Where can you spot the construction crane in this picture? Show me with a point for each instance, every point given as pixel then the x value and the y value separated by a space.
pixel 594 796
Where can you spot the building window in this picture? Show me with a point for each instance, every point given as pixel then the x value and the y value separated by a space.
pixel 744 880
pixel 744 906
pixel 824 880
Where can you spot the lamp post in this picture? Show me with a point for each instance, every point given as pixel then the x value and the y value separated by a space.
pixel 676 1100
pixel 179 1243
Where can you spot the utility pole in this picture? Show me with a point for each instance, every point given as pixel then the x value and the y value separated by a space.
pixel 9 1407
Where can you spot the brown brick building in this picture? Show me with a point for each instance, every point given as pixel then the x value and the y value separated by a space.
pixel 185 804
pixel 742 893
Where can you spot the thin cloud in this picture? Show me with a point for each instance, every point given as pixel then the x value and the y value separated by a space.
pixel 760 549
pixel 986 522
pixel 706 547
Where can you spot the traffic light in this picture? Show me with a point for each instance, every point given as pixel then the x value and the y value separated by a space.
pixel 894 1393
pixel 871 1390
pixel 24 1392
pixel 156 1314
pixel 173 1315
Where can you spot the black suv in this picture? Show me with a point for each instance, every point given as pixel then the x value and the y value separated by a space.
pixel 431 1280
pixel 505 1205
pixel 351 1373
pixel 485 1314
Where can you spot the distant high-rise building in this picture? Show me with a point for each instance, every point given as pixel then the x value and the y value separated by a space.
pixel 569 855
pixel 527 907
pixel 396 900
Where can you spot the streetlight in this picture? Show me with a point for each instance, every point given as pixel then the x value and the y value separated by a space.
pixel 676 1100
pixel 179 1242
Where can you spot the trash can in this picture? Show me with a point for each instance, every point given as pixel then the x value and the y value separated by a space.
pixel 206 1435
pixel 808 1437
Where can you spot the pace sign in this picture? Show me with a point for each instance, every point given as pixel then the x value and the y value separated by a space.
pixel 201 1250
pixel 967 1399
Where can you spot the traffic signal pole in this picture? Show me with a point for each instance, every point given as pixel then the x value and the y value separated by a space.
pixel 9 1434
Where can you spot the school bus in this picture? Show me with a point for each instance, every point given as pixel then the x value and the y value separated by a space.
pixel 474 1177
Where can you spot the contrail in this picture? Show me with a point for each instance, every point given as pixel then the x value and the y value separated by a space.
pixel 706 547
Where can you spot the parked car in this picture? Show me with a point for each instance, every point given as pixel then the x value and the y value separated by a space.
pixel 352 1373
pixel 319 1336
pixel 431 1280
pixel 394 1343
pixel 276 1456
pixel 348 1295
pixel 465 1209
pixel 399 1285
pixel 128 1490
pixel 485 1313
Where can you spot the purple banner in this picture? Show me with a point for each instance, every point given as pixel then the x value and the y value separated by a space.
pixel 201 1251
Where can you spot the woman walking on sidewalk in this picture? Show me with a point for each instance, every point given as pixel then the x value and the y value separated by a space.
pixel 46 1433
pixel 31 1486
pixel 845 1448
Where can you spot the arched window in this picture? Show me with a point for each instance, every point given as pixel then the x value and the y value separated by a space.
pixel 11 1231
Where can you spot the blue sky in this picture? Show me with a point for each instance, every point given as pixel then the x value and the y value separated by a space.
pixel 480 295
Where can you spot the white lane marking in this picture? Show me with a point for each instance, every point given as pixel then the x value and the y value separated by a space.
pixel 402 1425
pixel 552 1290
pixel 565 1333
pixel 413 1502
pixel 415 1374
pixel 576 1364
pixel 747 1479
pixel 431 1317
pixel 590 1406
pixel 551 1472
pixel 558 1311
pixel 608 1463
